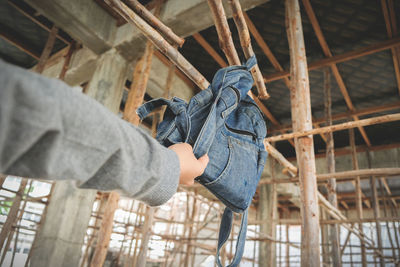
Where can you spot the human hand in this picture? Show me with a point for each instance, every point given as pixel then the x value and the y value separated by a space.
pixel 190 166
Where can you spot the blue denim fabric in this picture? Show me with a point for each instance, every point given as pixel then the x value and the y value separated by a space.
pixel 224 122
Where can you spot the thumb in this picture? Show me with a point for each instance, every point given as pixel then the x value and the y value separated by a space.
pixel 203 161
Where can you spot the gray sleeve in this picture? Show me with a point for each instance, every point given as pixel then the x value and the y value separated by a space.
pixel 49 130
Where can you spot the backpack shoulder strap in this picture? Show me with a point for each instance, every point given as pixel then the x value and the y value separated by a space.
pixel 225 230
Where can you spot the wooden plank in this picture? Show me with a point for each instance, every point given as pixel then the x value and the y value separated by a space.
pixel 337 127
pixel 391 29
pixel 210 50
pixel 11 38
pixel 28 12
pixel 47 50
pixel 301 119
pixel 335 70
pixel 364 51
pixel 105 230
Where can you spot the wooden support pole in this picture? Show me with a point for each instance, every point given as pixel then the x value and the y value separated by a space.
pixel 12 214
pixel 358 195
pixel 47 50
pixel 335 71
pixel 146 233
pixel 364 51
pixel 160 43
pixel 330 158
pixel 385 213
pixel 301 118
pixel 210 50
pixel 337 127
pixel 67 60
pixel 245 42
pixel 346 115
pixel 376 208
pixel 105 231
pixel 224 33
pixel 154 22
pixel 391 28
pixel 140 79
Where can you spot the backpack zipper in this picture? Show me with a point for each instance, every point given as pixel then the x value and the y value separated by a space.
pixel 241 132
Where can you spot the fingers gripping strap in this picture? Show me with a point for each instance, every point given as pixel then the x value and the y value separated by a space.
pixel 225 229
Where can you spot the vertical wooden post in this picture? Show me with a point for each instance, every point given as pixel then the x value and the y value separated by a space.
pixel 358 196
pixel 330 159
pixel 325 239
pixel 146 233
pixel 105 230
pixel 376 208
pixel 301 119
pixel 67 60
pixel 138 86
pixel 191 221
pixel 12 214
pixel 287 241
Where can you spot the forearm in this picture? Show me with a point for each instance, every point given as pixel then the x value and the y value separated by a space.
pixel 48 130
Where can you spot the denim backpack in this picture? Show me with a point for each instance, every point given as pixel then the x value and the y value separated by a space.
pixel 224 122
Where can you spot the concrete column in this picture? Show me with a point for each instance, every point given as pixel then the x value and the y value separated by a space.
pixel 60 239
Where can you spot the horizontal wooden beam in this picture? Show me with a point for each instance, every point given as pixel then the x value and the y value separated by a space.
pixel 345 175
pixel 15 40
pixel 345 115
pixel 337 127
pixel 375 48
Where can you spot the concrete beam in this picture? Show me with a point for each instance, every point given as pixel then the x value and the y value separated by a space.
pixel 84 20
pixel 91 25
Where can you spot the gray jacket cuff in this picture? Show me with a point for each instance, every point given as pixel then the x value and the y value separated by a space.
pixel 168 185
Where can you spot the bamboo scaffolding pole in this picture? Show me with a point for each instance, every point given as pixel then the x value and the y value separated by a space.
pixel 301 118
pixel 245 42
pixel 364 51
pixel 330 158
pixel 154 22
pixel 160 43
pixel 337 127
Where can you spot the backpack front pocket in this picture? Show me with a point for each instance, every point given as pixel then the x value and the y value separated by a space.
pixel 237 181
